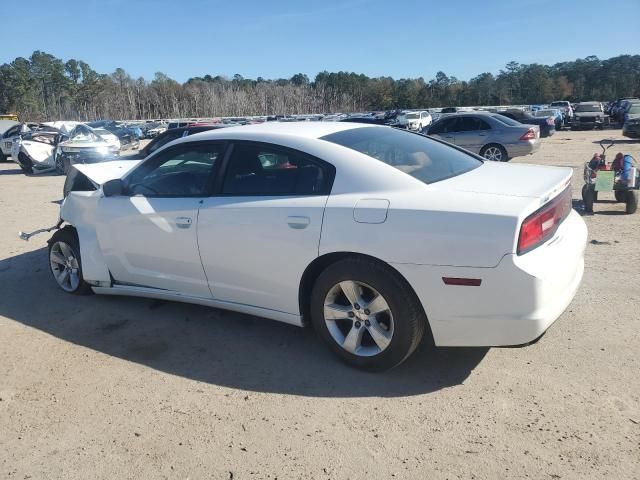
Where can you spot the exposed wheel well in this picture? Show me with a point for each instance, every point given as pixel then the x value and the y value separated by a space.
pixel 315 268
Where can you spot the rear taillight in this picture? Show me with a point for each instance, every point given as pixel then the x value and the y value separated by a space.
pixel 530 135
pixel 540 226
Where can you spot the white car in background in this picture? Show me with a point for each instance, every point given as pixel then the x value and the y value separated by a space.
pixel 375 235
pixel 415 121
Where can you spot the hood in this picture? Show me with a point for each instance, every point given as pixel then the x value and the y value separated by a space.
pixel 511 180
pixel 100 173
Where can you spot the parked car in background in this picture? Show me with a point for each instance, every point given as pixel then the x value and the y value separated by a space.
pixel 207 219
pixel 546 124
pixel 36 152
pixel 171 135
pixel 490 135
pixel 156 130
pixel 616 108
pixel 556 114
pixel 415 120
pixel 450 110
pixel 631 125
pixel 589 115
pixel 85 145
pixel 566 108
pixel 7 138
pixel 5 125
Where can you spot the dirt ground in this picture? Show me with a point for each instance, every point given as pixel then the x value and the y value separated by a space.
pixel 124 388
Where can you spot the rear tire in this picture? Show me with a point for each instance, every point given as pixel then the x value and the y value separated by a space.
pixel 621 196
pixel 385 331
pixel 494 152
pixel 632 201
pixel 65 263
pixel 588 197
pixel 3 157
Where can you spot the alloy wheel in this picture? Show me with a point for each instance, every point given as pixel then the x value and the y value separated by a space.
pixel 65 266
pixel 493 153
pixel 358 318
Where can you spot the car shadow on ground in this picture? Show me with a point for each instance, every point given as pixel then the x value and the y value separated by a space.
pixel 11 171
pixel 617 141
pixel 213 346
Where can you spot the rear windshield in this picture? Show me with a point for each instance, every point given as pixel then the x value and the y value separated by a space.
pixel 423 158
pixel 506 120
pixel 588 108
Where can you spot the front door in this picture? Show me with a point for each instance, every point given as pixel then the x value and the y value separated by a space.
pixel 149 235
pixel 262 230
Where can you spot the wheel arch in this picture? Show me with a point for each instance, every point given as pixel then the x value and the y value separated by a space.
pixel 494 144
pixel 319 264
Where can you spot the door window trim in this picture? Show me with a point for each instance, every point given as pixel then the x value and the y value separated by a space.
pixel 329 169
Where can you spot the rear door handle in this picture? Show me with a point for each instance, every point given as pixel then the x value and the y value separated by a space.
pixel 183 222
pixel 298 223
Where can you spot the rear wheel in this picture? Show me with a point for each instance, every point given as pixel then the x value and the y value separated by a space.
pixel 3 157
pixel 367 314
pixel 494 152
pixel 632 201
pixel 621 195
pixel 65 263
pixel 588 197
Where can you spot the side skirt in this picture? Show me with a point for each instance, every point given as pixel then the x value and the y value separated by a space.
pixel 133 291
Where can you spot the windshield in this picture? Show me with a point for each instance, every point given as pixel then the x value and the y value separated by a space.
pixel 423 158
pixel 506 120
pixel 559 104
pixel 544 113
pixel 412 116
pixel 588 108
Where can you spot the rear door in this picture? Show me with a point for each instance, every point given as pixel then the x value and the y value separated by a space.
pixel 472 133
pixel 262 229
pixel 148 236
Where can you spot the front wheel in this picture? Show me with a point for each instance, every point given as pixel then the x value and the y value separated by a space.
pixel 25 163
pixel 588 197
pixel 65 263
pixel 495 153
pixel 367 314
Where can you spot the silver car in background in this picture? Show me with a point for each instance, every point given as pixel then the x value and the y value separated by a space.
pixel 491 135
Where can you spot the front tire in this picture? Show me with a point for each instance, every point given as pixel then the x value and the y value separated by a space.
pixel 65 263
pixel 494 152
pixel 367 314
pixel 25 163
pixel 588 197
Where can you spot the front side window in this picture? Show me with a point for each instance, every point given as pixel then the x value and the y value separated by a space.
pixel 421 157
pixel 256 169
pixel 183 171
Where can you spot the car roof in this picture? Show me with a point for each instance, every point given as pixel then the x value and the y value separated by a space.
pixel 313 130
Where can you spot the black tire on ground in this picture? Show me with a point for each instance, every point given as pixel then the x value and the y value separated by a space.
pixel 588 197
pixel 3 157
pixel 60 167
pixel 25 163
pixel 621 196
pixel 69 236
pixel 503 152
pixel 409 319
pixel 632 201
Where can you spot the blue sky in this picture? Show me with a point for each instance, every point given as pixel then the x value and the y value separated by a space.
pixel 278 38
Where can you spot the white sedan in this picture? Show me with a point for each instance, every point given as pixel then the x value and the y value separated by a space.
pixel 377 236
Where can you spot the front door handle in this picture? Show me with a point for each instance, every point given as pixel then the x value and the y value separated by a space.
pixel 183 222
pixel 298 223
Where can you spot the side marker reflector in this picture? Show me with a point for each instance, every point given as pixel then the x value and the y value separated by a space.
pixel 463 282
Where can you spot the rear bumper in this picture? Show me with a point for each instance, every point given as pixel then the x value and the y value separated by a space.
pixel 517 301
pixel 522 148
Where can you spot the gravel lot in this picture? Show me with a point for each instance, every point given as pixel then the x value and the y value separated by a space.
pixel 115 388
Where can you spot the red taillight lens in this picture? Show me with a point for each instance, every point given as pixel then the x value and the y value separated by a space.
pixel 538 227
pixel 530 135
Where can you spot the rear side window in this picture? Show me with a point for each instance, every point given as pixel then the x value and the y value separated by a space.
pixel 257 169
pixel 421 157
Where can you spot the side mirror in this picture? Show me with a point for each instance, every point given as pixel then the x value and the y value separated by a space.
pixel 113 188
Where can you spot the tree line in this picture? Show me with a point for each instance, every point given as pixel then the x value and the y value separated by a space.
pixel 44 87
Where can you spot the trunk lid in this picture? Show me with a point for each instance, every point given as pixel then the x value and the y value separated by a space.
pixel 512 180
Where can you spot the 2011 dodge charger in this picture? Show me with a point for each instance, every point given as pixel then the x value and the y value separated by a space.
pixel 375 235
